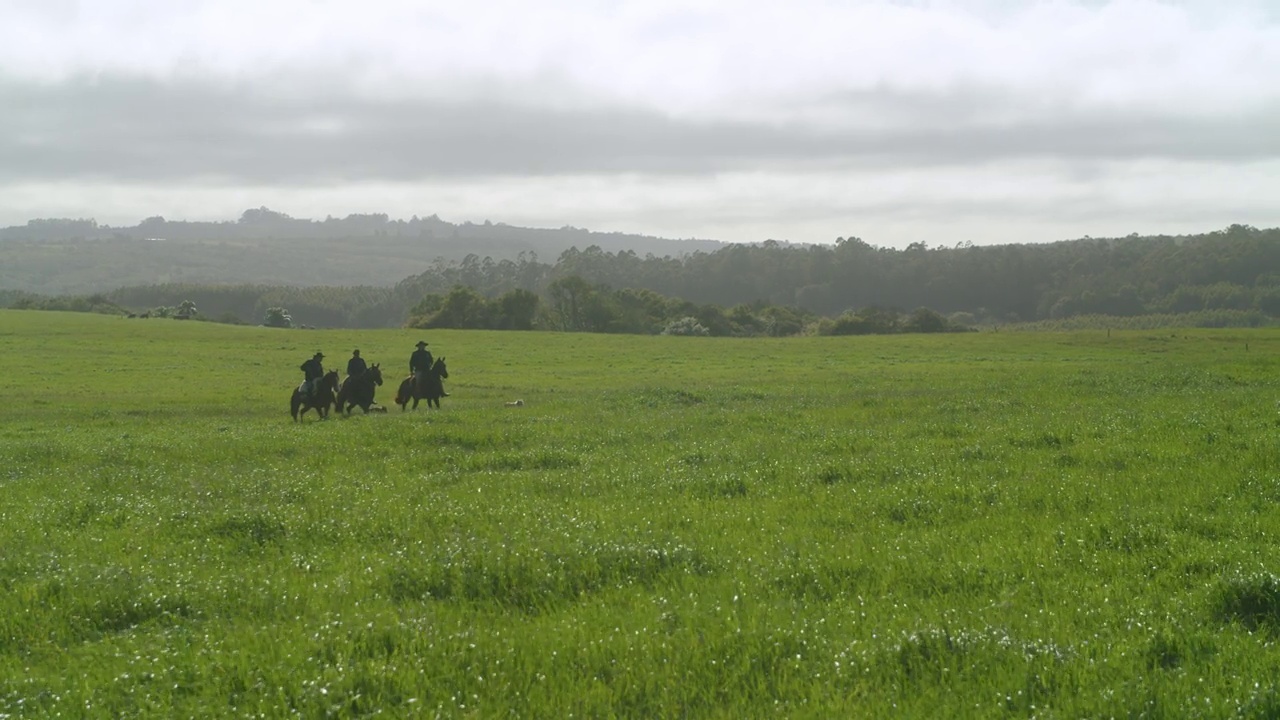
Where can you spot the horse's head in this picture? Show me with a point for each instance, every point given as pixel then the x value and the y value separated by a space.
pixel 440 368
pixel 375 374
pixel 330 380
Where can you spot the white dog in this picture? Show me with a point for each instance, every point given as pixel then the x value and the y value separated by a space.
pixel 516 403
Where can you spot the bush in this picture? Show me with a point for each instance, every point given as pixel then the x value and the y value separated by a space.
pixel 924 320
pixel 277 317
pixel 686 326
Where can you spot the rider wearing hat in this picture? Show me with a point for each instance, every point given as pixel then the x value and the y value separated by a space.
pixel 420 362
pixel 312 370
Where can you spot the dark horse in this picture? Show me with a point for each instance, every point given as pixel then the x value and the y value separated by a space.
pixel 358 391
pixel 320 400
pixel 430 389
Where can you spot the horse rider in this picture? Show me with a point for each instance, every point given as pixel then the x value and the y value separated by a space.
pixel 419 363
pixel 312 371
pixel 356 365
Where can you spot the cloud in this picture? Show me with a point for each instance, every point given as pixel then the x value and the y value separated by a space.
pixel 687 57
pixel 754 115
pixel 136 131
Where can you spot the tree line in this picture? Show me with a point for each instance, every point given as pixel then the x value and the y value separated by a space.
pixel 572 304
pixel 1232 273
pixel 1230 276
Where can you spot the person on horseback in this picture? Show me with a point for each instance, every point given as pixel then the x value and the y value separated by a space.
pixel 356 365
pixel 420 363
pixel 312 370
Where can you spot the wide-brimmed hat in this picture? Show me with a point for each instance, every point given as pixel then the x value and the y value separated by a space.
pixel 356 351
pixel 319 354
pixel 421 343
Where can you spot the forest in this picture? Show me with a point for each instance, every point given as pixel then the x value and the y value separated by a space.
pixel 1226 277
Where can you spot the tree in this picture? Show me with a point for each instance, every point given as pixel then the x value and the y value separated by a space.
pixel 277 317
pixel 569 299
pixel 426 309
pixel 1268 301
pixel 516 310
pixel 187 309
pixel 462 308
pixel 262 215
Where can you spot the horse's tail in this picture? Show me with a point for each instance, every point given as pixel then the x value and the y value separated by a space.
pixel 405 392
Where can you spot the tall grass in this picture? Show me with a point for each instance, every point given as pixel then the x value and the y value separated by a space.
pixel 976 525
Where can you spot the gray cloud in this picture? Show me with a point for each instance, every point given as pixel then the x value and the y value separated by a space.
pixel 145 130
pixel 978 119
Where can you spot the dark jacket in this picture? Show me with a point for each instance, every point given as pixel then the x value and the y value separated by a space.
pixel 420 360
pixel 356 367
pixel 312 369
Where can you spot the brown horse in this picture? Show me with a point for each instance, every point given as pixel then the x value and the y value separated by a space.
pixel 320 400
pixel 358 391
pixel 430 388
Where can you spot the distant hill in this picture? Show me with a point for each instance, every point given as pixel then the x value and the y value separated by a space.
pixel 54 256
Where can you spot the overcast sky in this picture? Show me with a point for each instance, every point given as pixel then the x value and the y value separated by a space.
pixel 986 121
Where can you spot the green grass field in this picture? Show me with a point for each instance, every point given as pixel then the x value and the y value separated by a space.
pixel 976 525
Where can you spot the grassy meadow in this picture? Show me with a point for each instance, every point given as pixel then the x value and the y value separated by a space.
pixel 995 524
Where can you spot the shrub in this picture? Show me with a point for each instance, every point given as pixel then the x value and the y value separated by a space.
pixel 686 326
pixel 277 317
